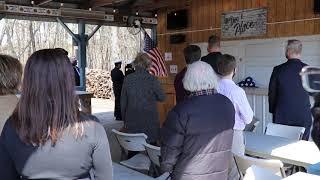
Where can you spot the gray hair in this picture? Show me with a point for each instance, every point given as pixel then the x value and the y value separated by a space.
pixel 294 46
pixel 142 61
pixel 200 76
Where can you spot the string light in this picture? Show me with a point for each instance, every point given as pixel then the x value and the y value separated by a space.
pixel 32 2
pixel 90 9
pixel 156 15
pixel 61 4
pixel 175 14
pixel 114 10
pixel 137 13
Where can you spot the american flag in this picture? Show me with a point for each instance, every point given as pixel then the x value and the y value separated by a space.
pixel 158 67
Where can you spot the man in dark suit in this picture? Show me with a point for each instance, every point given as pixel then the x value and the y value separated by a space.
pixel 117 78
pixel 214 52
pixel 288 101
pixel 76 71
pixel 192 53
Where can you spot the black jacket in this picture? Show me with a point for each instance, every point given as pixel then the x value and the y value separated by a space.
pixel 197 138
pixel 76 71
pixel 212 59
pixel 288 101
pixel 117 78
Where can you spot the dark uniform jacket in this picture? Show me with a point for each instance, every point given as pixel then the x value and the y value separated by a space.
pixel 288 101
pixel 117 80
pixel 197 138
pixel 212 59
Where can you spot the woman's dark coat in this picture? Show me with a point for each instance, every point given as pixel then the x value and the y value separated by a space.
pixel 140 93
pixel 197 138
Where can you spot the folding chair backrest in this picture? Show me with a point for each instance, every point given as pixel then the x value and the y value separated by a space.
pixel 131 142
pixel 244 162
pixel 153 153
pixel 289 132
pixel 257 173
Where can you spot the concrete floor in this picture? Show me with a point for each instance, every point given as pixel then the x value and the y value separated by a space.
pixel 103 110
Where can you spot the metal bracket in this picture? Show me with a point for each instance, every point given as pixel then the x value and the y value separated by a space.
pixel 94 32
pixel 68 30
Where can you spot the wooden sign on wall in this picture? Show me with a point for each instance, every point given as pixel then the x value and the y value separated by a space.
pixel 244 23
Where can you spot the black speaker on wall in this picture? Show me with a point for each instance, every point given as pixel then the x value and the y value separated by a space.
pixel 317 6
pixel 177 38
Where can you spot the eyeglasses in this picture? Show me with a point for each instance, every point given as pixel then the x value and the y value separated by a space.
pixel 310 76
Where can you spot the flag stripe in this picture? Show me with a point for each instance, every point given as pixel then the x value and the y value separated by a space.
pixel 159 59
pixel 158 67
pixel 154 62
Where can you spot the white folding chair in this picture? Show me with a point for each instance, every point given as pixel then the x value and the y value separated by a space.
pixel 134 142
pixel 257 173
pixel 289 132
pixel 243 162
pixel 154 154
pixel 164 176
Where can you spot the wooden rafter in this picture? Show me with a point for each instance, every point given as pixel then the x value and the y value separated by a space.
pixel 145 4
pixel 101 3
pixel 158 4
pixel 42 2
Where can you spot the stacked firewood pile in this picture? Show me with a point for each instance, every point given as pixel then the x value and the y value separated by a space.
pixel 99 83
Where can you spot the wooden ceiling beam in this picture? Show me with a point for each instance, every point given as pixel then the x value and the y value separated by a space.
pixel 141 5
pixel 162 4
pixel 42 2
pixel 101 3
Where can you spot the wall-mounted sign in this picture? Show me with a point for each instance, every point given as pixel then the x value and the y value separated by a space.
pixel 168 56
pixel 244 23
pixel 173 69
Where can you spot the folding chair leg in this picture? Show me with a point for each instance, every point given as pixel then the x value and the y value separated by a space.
pixel 153 170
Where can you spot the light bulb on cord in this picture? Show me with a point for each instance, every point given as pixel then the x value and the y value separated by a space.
pixel 137 13
pixel 61 4
pixel 32 2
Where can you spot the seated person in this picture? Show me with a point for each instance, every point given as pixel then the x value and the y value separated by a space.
pixel 46 137
pixel 196 138
pixel 10 73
